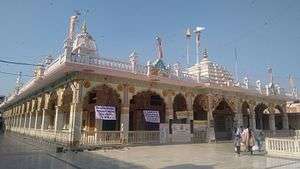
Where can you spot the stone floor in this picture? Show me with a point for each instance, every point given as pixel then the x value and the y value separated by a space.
pixel 20 153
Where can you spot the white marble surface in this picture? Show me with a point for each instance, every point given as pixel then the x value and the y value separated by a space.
pixel 19 153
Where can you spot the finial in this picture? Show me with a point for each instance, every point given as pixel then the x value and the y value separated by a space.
pixel 159 47
pixel 205 53
pixel 84 27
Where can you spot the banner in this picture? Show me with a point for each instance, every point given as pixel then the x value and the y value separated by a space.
pixel 105 112
pixel 151 116
pixel 182 114
pixel 200 122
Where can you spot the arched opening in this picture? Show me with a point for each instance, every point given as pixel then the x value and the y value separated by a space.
pixel 146 100
pixel 246 114
pixel 223 121
pixel 198 107
pixel 261 118
pixel 51 110
pixel 179 104
pixel 101 96
pixel 278 118
pixel 67 99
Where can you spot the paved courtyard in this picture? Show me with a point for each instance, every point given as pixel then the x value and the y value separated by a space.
pixel 20 153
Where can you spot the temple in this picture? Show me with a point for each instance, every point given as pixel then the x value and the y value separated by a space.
pixel 81 98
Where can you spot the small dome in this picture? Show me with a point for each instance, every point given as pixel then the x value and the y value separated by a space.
pixel 84 42
pixel 159 64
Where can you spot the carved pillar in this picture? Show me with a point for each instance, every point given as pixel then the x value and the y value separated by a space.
pixel 272 122
pixel 45 116
pixel 58 121
pixel 189 104
pixel 285 121
pixel 169 109
pixel 252 115
pixel 76 113
pixel 59 116
pixel 211 130
pixel 238 116
pixel 125 113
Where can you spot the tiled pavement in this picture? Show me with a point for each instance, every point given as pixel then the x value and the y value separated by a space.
pixel 20 153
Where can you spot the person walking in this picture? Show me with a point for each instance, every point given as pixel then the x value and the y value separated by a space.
pixel 237 143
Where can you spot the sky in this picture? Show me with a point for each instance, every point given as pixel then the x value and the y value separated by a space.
pixel 264 32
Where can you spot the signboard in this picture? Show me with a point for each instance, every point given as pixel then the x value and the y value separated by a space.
pixel 181 133
pixel 151 116
pixel 200 122
pixel 105 112
pixel 182 114
pixel 200 125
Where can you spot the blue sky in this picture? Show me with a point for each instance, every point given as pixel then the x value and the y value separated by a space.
pixel 265 32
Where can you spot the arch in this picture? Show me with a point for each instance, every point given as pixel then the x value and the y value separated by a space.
pixel 145 100
pixel 179 104
pixel 246 114
pixel 102 95
pixel 200 107
pixel 223 121
pixel 261 118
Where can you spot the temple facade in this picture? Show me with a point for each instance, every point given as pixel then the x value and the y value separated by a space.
pixel 203 101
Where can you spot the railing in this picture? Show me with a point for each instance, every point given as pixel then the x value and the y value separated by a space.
pixel 59 137
pixel 280 146
pixel 280 133
pixel 199 136
pixel 144 137
pixel 99 138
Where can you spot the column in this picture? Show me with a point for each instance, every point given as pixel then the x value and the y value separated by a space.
pixel 285 121
pixel 238 116
pixel 36 119
pixel 169 112
pixel 125 123
pixel 211 136
pixel 30 116
pixel 125 114
pixel 76 114
pixel 25 119
pixel 272 122
pixel 45 119
pixel 58 121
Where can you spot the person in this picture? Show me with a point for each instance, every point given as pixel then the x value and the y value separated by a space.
pixel 250 141
pixel 237 143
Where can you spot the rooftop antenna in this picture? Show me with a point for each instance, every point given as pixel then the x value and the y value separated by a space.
pixel 188 36
pixel 198 31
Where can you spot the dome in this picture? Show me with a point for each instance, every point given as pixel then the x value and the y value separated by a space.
pixel 159 64
pixel 84 42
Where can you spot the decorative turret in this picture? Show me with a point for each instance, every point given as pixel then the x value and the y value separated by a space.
pixel 208 71
pixel 71 36
pixel 133 58
pixel 84 43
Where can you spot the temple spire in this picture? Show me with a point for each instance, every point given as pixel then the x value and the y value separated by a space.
pixel 159 47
